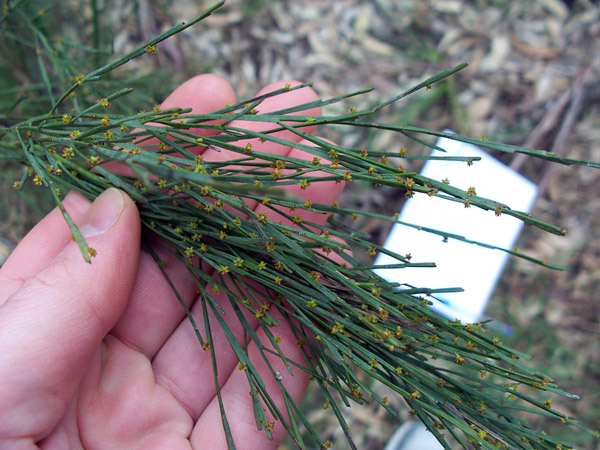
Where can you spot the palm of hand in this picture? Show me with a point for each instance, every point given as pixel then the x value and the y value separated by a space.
pixel 102 355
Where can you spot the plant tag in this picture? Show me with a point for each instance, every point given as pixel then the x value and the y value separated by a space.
pixel 459 264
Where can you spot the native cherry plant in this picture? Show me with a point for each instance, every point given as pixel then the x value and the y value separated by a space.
pixel 72 130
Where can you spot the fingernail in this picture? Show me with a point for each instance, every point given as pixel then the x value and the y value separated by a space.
pixel 103 213
pixel 74 202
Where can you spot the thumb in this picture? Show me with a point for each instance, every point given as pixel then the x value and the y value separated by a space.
pixel 52 325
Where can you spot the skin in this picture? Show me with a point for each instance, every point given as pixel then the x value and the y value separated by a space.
pixel 100 355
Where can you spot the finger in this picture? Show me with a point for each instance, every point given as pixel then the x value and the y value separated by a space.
pixel 239 408
pixel 203 94
pixel 52 325
pixel 120 407
pixel 316 192
pixel 271 104
pixel 37 248
pixel 154 309
pixel 182 351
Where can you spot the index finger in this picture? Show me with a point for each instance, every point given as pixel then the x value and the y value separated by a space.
pixel 297 97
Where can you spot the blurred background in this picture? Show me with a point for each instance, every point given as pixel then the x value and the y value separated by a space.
pixel 533 80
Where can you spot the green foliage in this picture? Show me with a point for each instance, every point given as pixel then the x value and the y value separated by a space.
pixel 67 123
pixel 252 6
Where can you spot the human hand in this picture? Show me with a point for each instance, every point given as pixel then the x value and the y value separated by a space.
pixel 101 355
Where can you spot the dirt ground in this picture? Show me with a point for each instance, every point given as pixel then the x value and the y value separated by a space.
pixel 533 79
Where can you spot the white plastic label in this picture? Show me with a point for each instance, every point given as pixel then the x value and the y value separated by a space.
pixel 458 264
